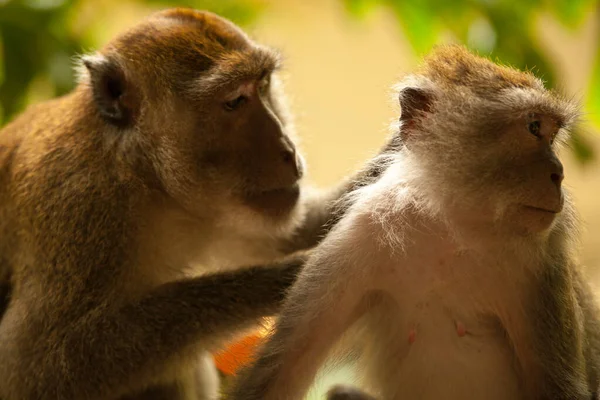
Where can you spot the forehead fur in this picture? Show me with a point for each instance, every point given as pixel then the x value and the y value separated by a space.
pixel 454 65
pixel 184 43
pixel 462 83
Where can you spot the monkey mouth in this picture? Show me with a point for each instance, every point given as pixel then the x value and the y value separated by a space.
pixel 278 201
pixel 544 210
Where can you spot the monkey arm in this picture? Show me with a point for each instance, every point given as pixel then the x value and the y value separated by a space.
pixel 568 332
pixel 107 353
pixel 560 338
pixel 320 307
pixel 550 346
pixel 591 326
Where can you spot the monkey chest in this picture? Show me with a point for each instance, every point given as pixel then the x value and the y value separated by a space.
pixel 438 338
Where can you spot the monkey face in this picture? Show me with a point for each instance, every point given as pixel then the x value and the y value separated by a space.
pixel 528 174
pixel 483 137
pixel 196 105
pixel 499 170
pixel 247 151
pixel 514 177
pixel 511 178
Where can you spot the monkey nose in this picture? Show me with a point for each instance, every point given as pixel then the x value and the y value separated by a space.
pixel 557 176
pixel 291 158
pixel 299 166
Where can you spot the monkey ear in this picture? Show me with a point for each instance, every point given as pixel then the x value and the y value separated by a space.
pixel 414 102
pixel 113 95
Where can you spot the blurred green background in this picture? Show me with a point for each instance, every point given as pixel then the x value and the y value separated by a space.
pixel 38 38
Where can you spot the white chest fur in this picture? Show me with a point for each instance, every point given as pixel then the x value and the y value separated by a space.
pixel 437 333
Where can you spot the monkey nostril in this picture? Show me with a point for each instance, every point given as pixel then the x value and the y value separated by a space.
pixel 299 166
pixel 289 156
pixel 557 178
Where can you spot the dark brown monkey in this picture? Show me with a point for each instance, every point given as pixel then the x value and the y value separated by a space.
pixel 458 264
pixel 171 159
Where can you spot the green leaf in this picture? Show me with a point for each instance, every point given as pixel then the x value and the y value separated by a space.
pixel 2 75
pixel 360 8
pixel 516 42
pixel 419 24
pixel 21 64
pixel 571 12
pixel 593 95
pixel 34 35
pixel 242 12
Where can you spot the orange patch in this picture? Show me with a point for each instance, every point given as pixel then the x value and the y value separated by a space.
pixel 241 352
pixel 237 354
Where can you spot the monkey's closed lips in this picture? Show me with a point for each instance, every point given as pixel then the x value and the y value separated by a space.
pixel 550 207
pixel 276 198
pixel 545 210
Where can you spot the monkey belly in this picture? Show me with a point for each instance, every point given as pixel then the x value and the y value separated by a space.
pixel 432 355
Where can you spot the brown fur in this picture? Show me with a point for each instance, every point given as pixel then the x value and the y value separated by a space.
pixel 453 66
pixel 124 204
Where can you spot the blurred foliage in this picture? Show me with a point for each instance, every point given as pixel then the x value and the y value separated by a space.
pixel 38 38
pixel 33 42
pixel 594 95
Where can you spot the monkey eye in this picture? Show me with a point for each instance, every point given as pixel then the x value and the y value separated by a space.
pixel 534 128
pixel 236 103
